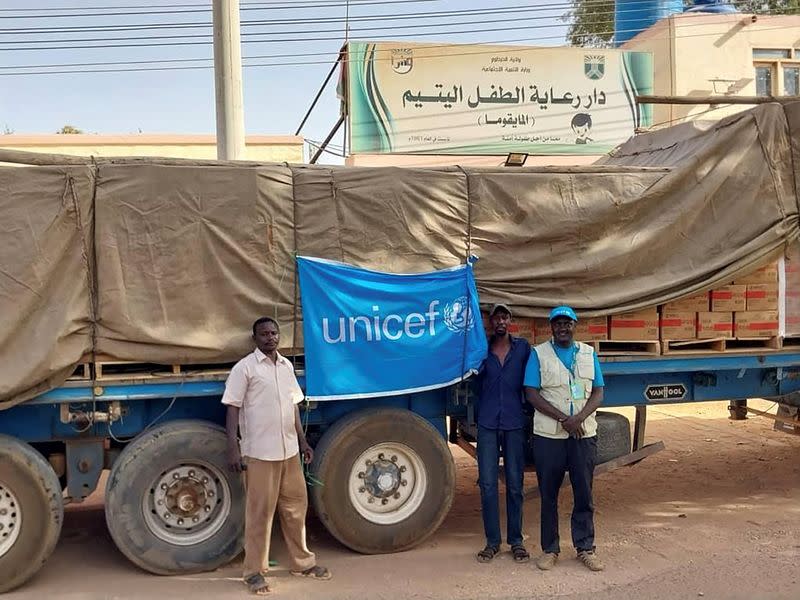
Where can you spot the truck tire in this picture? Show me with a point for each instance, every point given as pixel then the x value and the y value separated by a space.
pixel 613 436
pixel 172 505
pixel 31 512
pixel 388 480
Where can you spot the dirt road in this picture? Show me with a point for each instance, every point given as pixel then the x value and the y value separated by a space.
pixel 715 515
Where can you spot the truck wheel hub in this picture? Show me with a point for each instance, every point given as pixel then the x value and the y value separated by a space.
pixel 387 483
pixel 187 504
pixel 10 518
pixel 382 479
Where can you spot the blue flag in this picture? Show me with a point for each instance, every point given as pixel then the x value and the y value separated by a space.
pixel 370 334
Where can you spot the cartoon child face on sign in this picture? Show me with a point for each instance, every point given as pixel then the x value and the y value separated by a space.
pixel 582 125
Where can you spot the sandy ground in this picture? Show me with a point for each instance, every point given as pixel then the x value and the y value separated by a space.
pixel 715 515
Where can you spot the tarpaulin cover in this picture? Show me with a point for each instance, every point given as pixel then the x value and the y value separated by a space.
pixel 170 261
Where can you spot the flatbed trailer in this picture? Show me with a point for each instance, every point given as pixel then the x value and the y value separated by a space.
pixel 382 481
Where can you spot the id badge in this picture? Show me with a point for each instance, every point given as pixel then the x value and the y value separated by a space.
pixel 577 390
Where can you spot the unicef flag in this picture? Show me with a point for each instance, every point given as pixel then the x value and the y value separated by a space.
pixel 370 334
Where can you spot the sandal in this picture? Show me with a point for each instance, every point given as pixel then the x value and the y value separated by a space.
pixel 315 572
pixel 521 555
pixel 487 554
pixel 257 584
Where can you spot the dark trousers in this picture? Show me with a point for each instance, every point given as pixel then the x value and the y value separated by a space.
pixel 554 458
pixel 512 442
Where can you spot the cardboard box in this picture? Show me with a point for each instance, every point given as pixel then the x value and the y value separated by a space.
pixel 751 324
pixel 635 326
pixel 791 303
pixel 766 274
pixel 543 333
pixel 678 325
pixel 592 330
pixel 729 298
pixel 711 325
pixel 696 303
pixel 762 296
pixel 521 327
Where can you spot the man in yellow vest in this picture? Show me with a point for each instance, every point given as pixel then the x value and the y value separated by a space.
pixel 564 385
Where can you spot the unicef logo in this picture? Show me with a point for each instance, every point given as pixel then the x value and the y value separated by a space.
pixel 457 315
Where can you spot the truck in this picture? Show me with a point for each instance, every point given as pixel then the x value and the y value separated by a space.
pixel 138 396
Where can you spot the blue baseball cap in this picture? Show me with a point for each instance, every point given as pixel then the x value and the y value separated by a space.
pixel 563 311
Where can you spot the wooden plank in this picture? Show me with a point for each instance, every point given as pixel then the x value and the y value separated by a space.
pixel 791 414
pixel 778 419
pixel 136 372
pixel 627 348
pixel 721 345
pixel 790 341
pixel 689 347
pixel 639 425
pixel 608 466
pixel 82 372
pixel 467 447
pixel 753 344
pixel 695 100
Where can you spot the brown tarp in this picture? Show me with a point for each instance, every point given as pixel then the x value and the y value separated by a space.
pixel 169 261
pixel 45 279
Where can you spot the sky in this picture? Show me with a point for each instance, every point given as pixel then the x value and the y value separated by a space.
pixel 35 34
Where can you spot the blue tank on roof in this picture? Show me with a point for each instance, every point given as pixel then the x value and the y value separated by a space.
pixel 631 17
pixel 712 6
pixel 634 16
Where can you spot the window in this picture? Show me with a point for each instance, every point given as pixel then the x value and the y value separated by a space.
pixel 791 81
pixel 763 80
pixel 771 53
pixel 777 71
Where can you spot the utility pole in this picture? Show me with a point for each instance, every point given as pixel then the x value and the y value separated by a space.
pixel 228 80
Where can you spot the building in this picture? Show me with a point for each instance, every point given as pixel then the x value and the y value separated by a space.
pixel 701 54
pixel 260 148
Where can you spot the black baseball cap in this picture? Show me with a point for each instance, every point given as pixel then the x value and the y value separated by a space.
pixel 500 306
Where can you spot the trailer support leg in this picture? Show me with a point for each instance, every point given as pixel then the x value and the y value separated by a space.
pixel 639 427
pixel 738 410
pixel 84 465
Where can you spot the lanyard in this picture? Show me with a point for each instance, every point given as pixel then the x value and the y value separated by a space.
pixel 572 376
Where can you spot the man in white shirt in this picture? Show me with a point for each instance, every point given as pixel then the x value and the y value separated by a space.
pixel 262 395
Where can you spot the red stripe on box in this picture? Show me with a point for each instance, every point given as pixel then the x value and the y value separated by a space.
pixel 628 324
pixel 721 295
pixel 755 294
pixel 722 327
pixel 760 325
pixel 597 328
pixel 673 322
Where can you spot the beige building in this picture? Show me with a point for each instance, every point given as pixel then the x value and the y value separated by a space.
pixel 697 54
pixel 260 148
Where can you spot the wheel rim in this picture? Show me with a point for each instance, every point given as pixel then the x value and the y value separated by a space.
pixel 10 518
pixel 387 483
pixel 187 504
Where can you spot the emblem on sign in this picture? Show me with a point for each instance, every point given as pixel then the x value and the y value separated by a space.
pixel 457 315
pixel 594 66
pixel 402 60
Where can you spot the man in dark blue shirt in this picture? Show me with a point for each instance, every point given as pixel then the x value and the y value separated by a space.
pixel 501 425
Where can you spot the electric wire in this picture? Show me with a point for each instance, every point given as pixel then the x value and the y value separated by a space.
pixel 328 62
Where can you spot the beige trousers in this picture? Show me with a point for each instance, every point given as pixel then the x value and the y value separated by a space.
pixel 275 484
